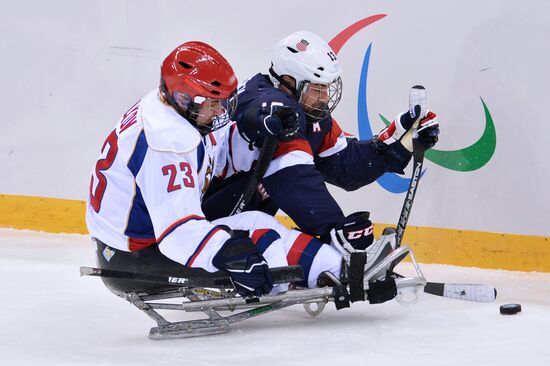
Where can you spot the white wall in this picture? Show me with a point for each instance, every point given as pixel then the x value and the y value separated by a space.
pixel 70 68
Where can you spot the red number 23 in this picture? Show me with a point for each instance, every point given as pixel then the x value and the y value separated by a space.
pixel 171 170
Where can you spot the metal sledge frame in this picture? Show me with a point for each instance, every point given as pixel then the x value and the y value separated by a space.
pixel 212 301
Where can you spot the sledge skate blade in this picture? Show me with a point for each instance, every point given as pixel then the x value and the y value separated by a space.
pixel 188 329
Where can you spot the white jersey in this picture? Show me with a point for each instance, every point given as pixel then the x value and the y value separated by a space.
pixel 147 185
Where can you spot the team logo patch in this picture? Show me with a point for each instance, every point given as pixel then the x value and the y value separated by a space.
pixel 108 253
pixel 302 45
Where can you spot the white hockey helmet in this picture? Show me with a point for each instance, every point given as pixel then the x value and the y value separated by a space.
pixel 308 59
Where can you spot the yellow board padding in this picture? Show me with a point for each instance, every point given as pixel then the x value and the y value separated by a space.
pixel 430 245
pixel 472 248
pixel 52 215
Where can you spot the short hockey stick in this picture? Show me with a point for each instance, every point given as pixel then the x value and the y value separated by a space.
pixel 417 95
pixel 418 161
pixel 468 292
pixel 266 154
pixel 462 291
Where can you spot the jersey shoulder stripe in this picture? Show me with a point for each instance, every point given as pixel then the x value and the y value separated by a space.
pixel 293 145
pixel 334 141
pixel 137 157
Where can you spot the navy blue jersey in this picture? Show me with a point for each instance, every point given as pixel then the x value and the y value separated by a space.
pixel 295 179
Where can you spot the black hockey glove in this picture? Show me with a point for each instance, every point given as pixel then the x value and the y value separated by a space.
pixel 246 267
pixel 277 120
pixel 428 130
pixel 355 232
pixel 281 122
pixel 381 291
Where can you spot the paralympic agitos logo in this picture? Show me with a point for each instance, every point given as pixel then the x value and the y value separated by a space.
pixel 464 160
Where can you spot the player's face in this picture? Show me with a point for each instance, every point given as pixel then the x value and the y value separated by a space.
pixel 317 100
pixel 208 109
pixel 314 96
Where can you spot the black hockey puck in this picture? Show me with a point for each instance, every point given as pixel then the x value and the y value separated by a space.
pixel 510 309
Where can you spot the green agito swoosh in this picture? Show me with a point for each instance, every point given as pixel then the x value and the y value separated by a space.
pixel 470 158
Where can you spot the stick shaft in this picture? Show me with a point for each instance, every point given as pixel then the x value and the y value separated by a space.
pixel 266 154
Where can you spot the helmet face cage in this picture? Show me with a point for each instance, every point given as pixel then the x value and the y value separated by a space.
pixel 310 97
pixel 219 120
pixel 212 113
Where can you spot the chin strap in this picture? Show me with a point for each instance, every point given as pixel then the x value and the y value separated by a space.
pixel 283 82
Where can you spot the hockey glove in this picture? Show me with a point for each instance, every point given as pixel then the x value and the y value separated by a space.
pixel 355 232
pixel 281 122
pixel 402 124
pixel 246 267
pixel 428 130
pixel 381 291
pixel 277 120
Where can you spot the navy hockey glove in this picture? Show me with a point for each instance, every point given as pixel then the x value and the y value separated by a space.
pixel 428 130
pixel 246 267
pixel 277 120
pixel 281 122
pixel 355 232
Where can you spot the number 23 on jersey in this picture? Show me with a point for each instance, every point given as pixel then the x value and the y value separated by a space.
pixel 172 172
pixel 110 149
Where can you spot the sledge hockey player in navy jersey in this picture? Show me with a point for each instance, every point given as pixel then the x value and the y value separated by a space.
pixel 144 208
pixel 301 91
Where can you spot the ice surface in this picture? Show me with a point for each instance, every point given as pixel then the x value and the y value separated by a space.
pixel 49 315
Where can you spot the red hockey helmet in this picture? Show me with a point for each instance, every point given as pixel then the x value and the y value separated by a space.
pixel 195 71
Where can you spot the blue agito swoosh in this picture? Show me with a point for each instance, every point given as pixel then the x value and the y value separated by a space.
pixel 389 181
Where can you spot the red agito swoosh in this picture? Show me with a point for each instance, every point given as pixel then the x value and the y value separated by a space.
pixel 337 42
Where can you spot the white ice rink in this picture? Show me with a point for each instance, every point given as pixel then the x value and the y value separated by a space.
pixel 49 315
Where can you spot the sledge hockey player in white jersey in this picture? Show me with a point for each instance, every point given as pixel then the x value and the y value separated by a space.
pixel 144 209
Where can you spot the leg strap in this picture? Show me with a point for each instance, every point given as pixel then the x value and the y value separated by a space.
pixel 356 273
pixel 340 291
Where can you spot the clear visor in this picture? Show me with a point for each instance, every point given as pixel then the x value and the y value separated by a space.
pixel 319 100
pixel 208 114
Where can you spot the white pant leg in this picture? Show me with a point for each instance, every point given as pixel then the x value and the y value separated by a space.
pixel 313 255
pixel 293 248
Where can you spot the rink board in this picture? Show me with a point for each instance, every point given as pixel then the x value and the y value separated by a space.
pixel 431 245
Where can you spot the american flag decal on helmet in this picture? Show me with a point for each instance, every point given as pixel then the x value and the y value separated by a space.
pixel 302 45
